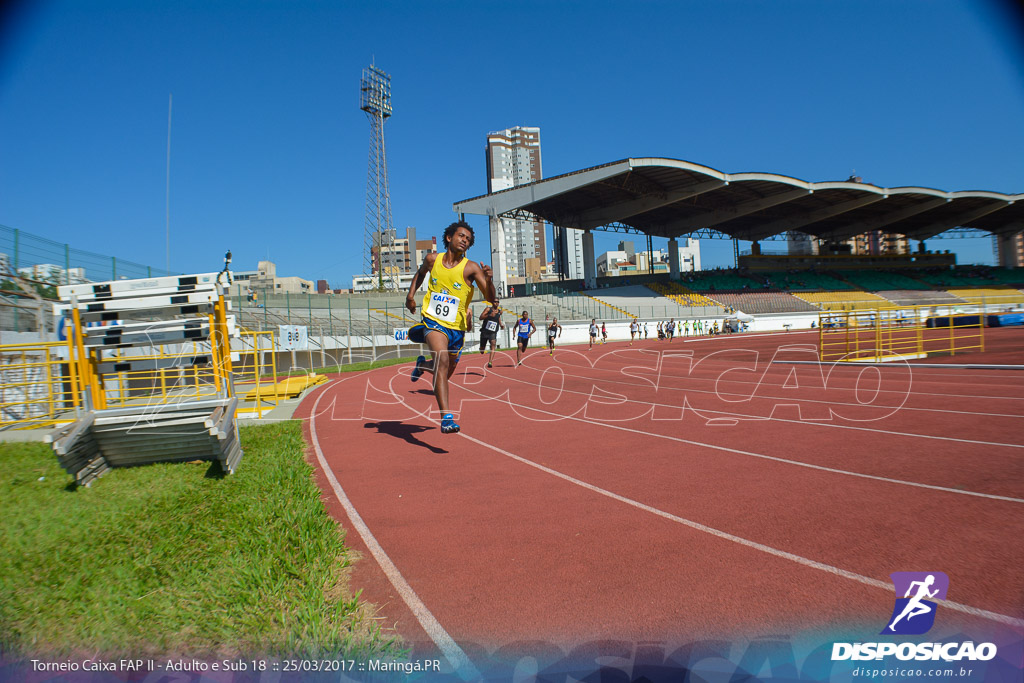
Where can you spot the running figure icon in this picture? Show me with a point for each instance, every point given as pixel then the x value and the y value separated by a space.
pixel 915 607
pixel 917 595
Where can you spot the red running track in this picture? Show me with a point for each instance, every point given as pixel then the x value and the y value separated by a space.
pixel 673 492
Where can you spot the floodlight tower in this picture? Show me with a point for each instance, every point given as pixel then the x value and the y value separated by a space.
pixel 375 100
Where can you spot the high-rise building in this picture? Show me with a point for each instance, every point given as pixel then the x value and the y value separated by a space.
pixel 878 243
pixel 513 158
pixel 568 252
pixel 1011 251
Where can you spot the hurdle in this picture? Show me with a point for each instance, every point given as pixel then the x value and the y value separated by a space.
pixel 170 329
pixel 886 334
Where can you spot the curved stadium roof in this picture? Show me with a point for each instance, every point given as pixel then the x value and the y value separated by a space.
pixel 672 198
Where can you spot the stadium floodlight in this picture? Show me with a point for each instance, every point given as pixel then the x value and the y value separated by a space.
pixel 375 100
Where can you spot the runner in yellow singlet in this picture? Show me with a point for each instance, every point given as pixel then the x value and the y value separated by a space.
pixel 453 279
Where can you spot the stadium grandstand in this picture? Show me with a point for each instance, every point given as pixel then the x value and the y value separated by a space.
pixel 765 302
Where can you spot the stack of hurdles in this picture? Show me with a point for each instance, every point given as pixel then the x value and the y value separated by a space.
pixel 142 435
pixel 187 313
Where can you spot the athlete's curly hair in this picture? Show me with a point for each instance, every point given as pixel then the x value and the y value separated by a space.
pixel 449 232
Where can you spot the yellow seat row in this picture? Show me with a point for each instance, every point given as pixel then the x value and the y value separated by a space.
pixel 844 301
pixel 681 295
pixel 989 296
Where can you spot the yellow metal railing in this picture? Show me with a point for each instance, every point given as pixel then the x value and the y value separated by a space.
pixel 37 385
pixel 41 387
pixel 257 370
pixel 155 387
pixel 890 333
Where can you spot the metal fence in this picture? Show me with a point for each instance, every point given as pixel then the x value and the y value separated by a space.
pixel 56 262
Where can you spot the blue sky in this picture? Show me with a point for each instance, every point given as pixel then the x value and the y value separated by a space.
pixel 269 146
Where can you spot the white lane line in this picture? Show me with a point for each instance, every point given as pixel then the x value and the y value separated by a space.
pixel 774 386
pixel 735 451
pixel 884 585
pixel 452 652
pixel 786 401
pixel 739 337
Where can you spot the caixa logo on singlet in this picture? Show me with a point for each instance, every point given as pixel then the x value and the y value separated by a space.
pixel 916 597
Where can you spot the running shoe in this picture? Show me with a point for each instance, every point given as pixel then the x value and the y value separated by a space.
pixel 489 365
pixel 448 425
pixel 418 370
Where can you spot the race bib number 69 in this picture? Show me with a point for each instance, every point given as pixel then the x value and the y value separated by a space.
pixel 443 307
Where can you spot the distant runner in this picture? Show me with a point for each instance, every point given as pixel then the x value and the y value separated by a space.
pixel 490 323
pixel 524 329
pixel 554 330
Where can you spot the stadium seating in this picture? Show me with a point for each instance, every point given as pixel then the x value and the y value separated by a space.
pixel 719 281
pixel 974 276
pixel 910 297
pixel 993 296
pixel 765 302
pixel 844 301
pixel 1007 276
pixel 804 280
pixel 876 280
pixel 680 294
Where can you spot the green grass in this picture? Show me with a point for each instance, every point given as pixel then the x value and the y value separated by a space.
pixel 382 362
pixel 174 558
pixel 352 367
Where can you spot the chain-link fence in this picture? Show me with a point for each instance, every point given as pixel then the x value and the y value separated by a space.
pixel 56 263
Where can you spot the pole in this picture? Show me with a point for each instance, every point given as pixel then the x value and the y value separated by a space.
pixel 167 191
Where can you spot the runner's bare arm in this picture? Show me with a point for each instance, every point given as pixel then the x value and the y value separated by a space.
pixel 410 298
pixel 481 276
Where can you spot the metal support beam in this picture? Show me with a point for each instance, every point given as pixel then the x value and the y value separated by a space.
pixel 714 218
pixel 798 221
pixel 962 234
pixel 881 222
pixel 632 207
pixel 959 220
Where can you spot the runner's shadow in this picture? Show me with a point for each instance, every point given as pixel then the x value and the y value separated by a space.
pixel 403 431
